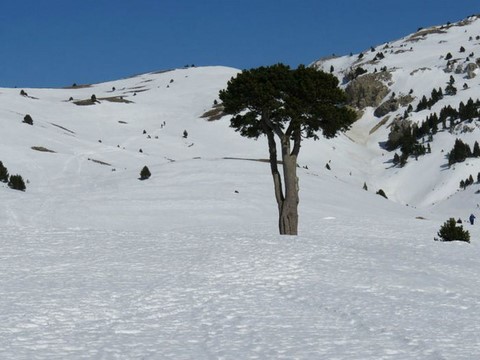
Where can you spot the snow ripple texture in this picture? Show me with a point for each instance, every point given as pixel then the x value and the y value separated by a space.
pixel 337 292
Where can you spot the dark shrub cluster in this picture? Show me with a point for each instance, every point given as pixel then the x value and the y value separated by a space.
pixel 13 181
pixel 145 173
pixel 16 182
pixel 449 231
pixel 28 120
pixel 461 151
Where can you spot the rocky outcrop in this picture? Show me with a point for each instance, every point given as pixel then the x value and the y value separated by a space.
pixel 470 70
pixel 392 104
pixel 387 107
pixel 368 90
pixel 398 128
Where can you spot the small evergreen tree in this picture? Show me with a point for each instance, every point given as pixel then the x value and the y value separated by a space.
pixel 145 173
pixel 16 182
pixel 185 134
pixel 4 173
pixel 28 119
pixel 382 193
pixel 476 149
pixel 450 89
pixel 459 152
pixel 449 231
pixel 423 104
pixel 396 159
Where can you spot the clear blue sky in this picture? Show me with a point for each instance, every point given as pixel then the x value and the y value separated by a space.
pixel 51 43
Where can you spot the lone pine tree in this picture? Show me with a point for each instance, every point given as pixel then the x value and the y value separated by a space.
pixel 145 173
pixel 286 105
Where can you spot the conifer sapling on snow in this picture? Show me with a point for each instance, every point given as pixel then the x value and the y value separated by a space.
pixel 145 173
pixel 4 173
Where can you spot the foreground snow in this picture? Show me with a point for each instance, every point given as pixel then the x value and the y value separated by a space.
pixel 183 267
pixel 338 291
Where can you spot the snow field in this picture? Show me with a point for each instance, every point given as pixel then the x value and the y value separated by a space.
pixel 339 291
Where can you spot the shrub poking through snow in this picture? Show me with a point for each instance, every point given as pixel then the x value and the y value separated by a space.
pixel 382 193
pixel 449 231
pixel 145 173
pixel 28 119
pixel 16 182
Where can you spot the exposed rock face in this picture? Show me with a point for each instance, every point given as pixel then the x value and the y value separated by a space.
pixel 398 128
pixel 470 70
pixel 387 107
pixel 368 90
pixel 392 104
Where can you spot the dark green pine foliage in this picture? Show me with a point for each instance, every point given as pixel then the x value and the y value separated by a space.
pixel 423 104
pixel 3 173
pixel 449 231
pixel 28 119
pixel 459 153
pixel 145 173
pixel 382 193
pixel 16 182
pixel 300 101
pixel 451 90
pixel 467 111
pixel 476 149
pixel 448 113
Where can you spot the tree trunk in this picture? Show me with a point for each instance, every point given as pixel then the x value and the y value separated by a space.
pixel 287 199
pixel 288 216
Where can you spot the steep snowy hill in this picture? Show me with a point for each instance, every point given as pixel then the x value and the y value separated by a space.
pixel 387 79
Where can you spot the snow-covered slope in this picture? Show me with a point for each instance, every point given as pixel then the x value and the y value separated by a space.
pixel 417 64
pixel 95 263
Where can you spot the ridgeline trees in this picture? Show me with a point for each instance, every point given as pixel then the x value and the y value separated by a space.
pixel 286 105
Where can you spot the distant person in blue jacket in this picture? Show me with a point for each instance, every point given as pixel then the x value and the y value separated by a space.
pixel 472 219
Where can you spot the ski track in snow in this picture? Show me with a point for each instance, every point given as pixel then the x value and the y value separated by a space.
pixel 338 292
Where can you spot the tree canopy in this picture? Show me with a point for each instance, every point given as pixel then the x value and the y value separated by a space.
pixel 288 105
pixel 288 102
